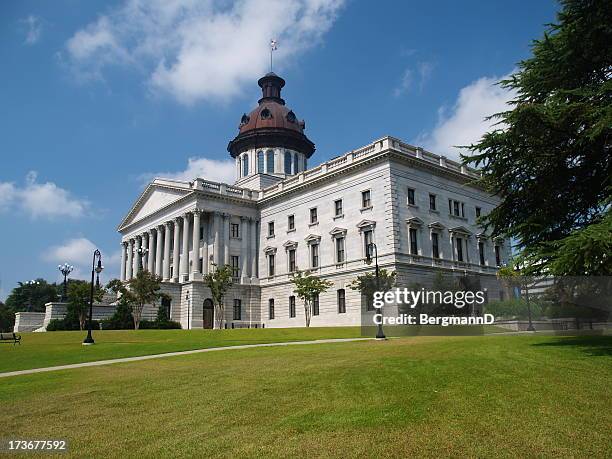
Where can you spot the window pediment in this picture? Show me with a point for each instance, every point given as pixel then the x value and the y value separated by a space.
pixel 312 238
pixel 436 226
pixel 290 245
pixel 338 232
pixel 460 230
pixel 414 221
pixel 366 224
pixel 269 250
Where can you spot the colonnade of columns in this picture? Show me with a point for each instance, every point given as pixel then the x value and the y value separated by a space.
pixel 178 250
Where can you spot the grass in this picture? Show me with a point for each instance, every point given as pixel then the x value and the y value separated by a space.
pixel 498 396
pixel 61 348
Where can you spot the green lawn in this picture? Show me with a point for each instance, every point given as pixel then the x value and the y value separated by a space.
pixel 486 396
pixel 60 348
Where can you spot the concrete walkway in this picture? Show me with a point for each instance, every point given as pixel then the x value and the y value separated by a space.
pixel 171 354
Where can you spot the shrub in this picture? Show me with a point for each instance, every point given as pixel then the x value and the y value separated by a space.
pixel 63 325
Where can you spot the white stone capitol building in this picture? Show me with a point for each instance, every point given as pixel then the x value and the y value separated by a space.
pixel 280 217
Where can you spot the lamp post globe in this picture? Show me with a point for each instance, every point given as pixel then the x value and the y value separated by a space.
pixel 31 284
pixel 65 269
pixel 96 269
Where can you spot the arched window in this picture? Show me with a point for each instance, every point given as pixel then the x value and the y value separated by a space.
pixel 288 162
pixel 245 165
pixel 296 167
pixel 260 162
pixel 270 161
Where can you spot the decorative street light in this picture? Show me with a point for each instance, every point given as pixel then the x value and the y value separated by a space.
pixel 31 283
pixel 142 251
pixel 530 327
pixel 96 268
pixel 188 308
pixel 65 269
pixel 379 334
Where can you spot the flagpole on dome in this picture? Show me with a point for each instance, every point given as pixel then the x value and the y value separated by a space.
pixel 273 47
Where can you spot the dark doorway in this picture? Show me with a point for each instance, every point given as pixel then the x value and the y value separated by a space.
pixel 208 314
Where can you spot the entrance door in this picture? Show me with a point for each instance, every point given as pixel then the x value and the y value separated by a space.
pixel 208 313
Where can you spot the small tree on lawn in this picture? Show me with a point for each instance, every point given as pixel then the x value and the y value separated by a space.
pixel 142 289
pixel 307 287
pixel 78 302
pixel 219 281
pixel 367 283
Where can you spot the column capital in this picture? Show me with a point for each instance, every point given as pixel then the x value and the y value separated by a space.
pixel 124 244
pixel 244 217
pixel 197 211
pixel 177 220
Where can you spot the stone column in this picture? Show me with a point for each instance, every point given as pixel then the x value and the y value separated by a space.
pixel 185 255
pixel 226 239
pixel 150 255
pixel 217 242
pixel 175 251
pixel 136 266
pixel 166 266
pixel 158 251
pixel 254 248
pixel 205 245
pixel 123 255
pixel 195 260
pixel 244 238
pixel 130 256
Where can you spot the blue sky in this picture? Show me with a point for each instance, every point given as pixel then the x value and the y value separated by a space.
pixel 98 96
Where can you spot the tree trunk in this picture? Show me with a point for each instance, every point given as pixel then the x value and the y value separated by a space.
pixel 307 312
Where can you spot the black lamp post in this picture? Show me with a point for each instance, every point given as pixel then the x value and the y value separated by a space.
pixel 188 308
pixel 31 283
pixel 141 252
pixel 379 333
pixel 530 327
pixel 96 268
pixel 65 269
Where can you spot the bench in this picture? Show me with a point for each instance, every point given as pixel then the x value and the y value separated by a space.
pixel 8 337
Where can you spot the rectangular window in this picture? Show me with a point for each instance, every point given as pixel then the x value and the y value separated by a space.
pixel 459 244
pixel 237 309
pixel 270 229
pixel 271 308
pixel 366 199
pixel 456 208
pixel 291 306
pixel 435 245
pixel 235 227
pixel 411 199
pixel 432 201
pixel 497 256
pixel 201 232
pixel 292 267
pixel 235 266
pixel 339 250
pixel 271 265
pixel 341 301
pixel 314 255
pixel 450 206
pixel 478 211
pixel 414 250
pixel 313 215
pixel 315 305
pixel 338 207
pixel 291 222
pixel 463 210
pixel 367 241
pixel 481 252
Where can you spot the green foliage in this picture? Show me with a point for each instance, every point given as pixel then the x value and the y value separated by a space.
pixel 549 158
pixel 517 308
pixel 306 287
pixel 142 289
pixel 7 318
pixel 122 319
pixel 63 325
pixel 35 295
pixel 367 283
pixel 219 280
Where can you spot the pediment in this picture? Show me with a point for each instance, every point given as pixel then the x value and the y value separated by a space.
pixel 460 230
pixel 269 250
pixel 366 224
pixel 290 244
pixel 312 238
pixel 154 198
pixel 337 231
pixel 436 225
pixel 416 221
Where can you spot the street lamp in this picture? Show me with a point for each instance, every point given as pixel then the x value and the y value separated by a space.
pixel 65 269
pixel 96 268
pixel 187 299
pixel 379 334
pixel 31 283
pixel 530 327
pixel 142 252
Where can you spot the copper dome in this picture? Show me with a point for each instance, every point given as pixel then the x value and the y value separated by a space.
pixel 271 123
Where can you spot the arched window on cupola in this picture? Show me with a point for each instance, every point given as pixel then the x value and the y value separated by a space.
pixel 288 162
pixel 270 161
pixel 245 165
pixel 260 162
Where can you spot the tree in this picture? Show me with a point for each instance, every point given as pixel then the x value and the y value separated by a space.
pixel 32 297
pixel 308 287
pixel 140 290
pixel 78 302
pixel 549 156
pixel 7 318
pixel 219 280
pixel 367 283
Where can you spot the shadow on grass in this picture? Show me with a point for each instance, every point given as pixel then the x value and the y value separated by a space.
pixel 594 345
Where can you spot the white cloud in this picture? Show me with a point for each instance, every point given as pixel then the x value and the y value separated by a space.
pixel 41 200
pixel 199 50
pixel 223 171
pixel 423 72
pixel 79 252
pixel 33 29
pixel 404 84
pixel 465 122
